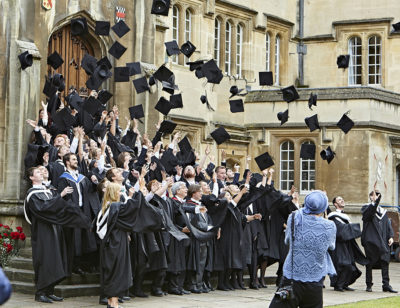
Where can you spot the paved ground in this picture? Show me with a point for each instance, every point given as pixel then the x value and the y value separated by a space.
pixel 232 299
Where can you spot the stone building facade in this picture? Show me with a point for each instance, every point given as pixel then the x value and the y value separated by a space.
pixel 297 40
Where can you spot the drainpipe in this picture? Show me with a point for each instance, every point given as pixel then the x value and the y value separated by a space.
pixel 301 48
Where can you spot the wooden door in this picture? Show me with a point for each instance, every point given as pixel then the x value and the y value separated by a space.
pixel 72 49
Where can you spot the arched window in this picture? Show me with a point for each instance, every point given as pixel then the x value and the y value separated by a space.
pixel 277 58
pixel 228 47
pixel 355 64
pixel 175 29
pixel 374 60
pixel 217 41
pixel 268 50
pixel 307 173
pixel 286 165
pixel 239 46
pixel 188 28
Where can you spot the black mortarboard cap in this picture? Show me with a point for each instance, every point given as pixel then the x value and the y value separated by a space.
pixel 220 135
pixel 312 101
pixel 88 122
pixel 92 106
pixel 345 124
pixel 204 100
pixel 121 74
pixel 64 119
pixel 104 96
pixel 176 101
pixel 343 61
pixel 41 150
pixel 160 7
pixel 117 50
pixel 120 28
pixel 75 101
pixel 105 61
pixel 55 60
pixel 89 64
pixel 163 74
pixel 49 89
pixel 396 26
pixel 26 59
pixel 93 83
pixel 136 112
pixel 163 106
pixel 290 94
pixel 79 26
pixel 58 81
pixel 327 154
pixel 184 145
pixel 152 80
pixel 212 72
pixel 307 151
pixel 264 161
pixel 235 91
pixel 188 49
pixel 167 127
pixel 236 105
pixel 102 28
pixel 283 116
pixel 169 87
pixel 195 65
pixel 134 68
pixel 141 85
pixel 199 73
pixel 312 122
pixel 266 78
pixel 172 48
pixel 129 139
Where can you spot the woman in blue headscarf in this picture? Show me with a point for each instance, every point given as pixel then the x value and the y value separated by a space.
pixel 308 260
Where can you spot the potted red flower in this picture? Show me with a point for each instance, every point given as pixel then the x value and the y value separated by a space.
pixel 9 243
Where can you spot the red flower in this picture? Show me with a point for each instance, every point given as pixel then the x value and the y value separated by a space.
pixel 0 236
pixel 22 236
pixel 9 248
pixel 4 244
pixel 5 234
pixel 1 225
pixel 6 227
pixel 19 229
pixel 14 235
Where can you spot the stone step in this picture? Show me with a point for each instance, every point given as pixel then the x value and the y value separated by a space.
pixel 25 252
pixel 21 263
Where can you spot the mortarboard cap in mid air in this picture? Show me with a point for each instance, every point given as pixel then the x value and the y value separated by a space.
pixel 26 59
pixel 312 122
pixel 172 48
pixel 307 151
pixel 312 101
pixel 264 161
pixel 105 61
pixel 167 127
pixel 152 81
pixel 195 65
pixel 160 7
pixel 396 26
pixel 328 154
pixel 92 106
pixel 49 89
pixel 236 105
pixel 89 64
pixel 176 101
pixel 120 28
pixel 117 50
pixel 58 81
pixel 88 122
pixel 163 106
pixel 100 74
pixel 121 74
pixel 266 78
pixel 184 145
pixel 136 112
pixel 235 91
pixel 290 94
pixel 75 101
pixel 102 28
pixel 220 135
pixel 141 85
pixel 134 68
pixel 188 49
pixel 283 116
pixel 64 119
pixel 169 87
pixel 163 73
pixel 204 100
pixel 345 124
pixel 211 71
pixel 79 26
pixel 55 60
pixel 169 161
pixel 343 61
pixel 104 96
pixel 129 139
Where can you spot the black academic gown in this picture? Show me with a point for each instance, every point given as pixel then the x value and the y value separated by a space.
pixel 56 169
pixel 375 235
pixel 47 213
pixel 136 215
pixel 346 252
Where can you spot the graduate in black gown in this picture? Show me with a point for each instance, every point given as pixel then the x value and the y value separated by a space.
pixel 47 213
pixel 377 237
pixel 114 223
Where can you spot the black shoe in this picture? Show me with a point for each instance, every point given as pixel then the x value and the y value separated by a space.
pixel 222 288
pixel 103 301
pixel 368 289
pixel 120 300
pixel 261 284
pixel 141 294
pixel 158 293
pixel 388 289
pixel 126 298
pixel 185 292
pixel 205 290
pixel 254 286
pixel 55 298
pixel 348 289
pixel 209 286
pixel 234 284
pixel 195 290
pixel 175 292
pixel 338 289
pixel 43 299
